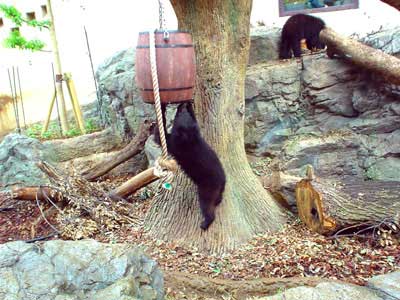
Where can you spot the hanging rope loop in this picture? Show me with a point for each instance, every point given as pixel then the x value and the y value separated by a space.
pixel 156 91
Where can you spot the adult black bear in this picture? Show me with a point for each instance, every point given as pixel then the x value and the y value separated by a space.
pixel 197 160
pixel 300 27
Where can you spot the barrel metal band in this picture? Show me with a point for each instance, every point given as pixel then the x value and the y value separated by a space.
pixel 167 46
pixel 168 89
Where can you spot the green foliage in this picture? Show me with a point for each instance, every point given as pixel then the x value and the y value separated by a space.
pixel 91 126
pixel 12 13
pixel 15 40
pixel 15 16
pixel 53 132
pixel 73 132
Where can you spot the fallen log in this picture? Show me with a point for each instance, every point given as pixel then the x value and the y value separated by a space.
pixel 375 60
pixel 134 147
pixel 31 193
pixel 327 206
pixel 132 185
pixel 142 179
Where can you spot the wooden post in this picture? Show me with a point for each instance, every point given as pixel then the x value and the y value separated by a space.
pixel 74 100
pixel 47 122
pixel 57 63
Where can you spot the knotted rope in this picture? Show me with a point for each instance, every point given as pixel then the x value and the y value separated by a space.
pixel 162 166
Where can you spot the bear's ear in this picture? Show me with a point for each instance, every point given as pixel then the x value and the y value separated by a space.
pixel 190 110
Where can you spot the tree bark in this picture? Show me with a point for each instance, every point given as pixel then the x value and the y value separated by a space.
pixel 362 55
pixel 133 148
pixel 220 32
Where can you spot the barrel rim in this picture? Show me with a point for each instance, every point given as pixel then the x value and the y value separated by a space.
pixel 162 31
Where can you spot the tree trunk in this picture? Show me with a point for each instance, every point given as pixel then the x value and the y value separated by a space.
pixel 362 55
pixel 220 32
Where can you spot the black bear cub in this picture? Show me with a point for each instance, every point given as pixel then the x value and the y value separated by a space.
pixel 300 27
pixel 197 160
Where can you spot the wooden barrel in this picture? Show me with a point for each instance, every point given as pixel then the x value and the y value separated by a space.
pixel 176 67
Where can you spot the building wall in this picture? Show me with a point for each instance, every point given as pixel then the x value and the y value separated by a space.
pixel 369 17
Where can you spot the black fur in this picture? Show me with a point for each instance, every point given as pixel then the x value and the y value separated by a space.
pixel 300 27
pixel 198 161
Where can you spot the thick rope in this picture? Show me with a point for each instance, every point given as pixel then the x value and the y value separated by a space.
pixel 156 91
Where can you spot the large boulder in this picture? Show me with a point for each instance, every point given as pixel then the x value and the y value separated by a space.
pixel 77 270
pixel 19 155
pixel 387 285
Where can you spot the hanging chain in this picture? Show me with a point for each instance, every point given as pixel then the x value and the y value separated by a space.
pixel 162 19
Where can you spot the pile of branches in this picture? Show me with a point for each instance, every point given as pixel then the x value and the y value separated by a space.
pixel 84 208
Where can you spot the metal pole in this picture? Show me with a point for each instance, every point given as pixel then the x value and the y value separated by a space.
pixel 13 99
pixel 94 76
pixel 55 95
pixel 12 95
pixel 20 95
pixel 16 98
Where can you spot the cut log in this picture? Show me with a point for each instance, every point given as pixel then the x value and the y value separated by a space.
pixel 134 147
pixel 142 179
pixel 132 185
pixel 31 193
pixel 362 55
pixel 327 206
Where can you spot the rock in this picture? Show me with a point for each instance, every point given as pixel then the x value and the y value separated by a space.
pixel 264 44
pixel 330 155
pixel 18 157
pixel 117 75
pixel 152 150
pixel 385 169
pixel 271 109
pixel 387 40
pixel 77 270
pixel 326 291
pixel 387 285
